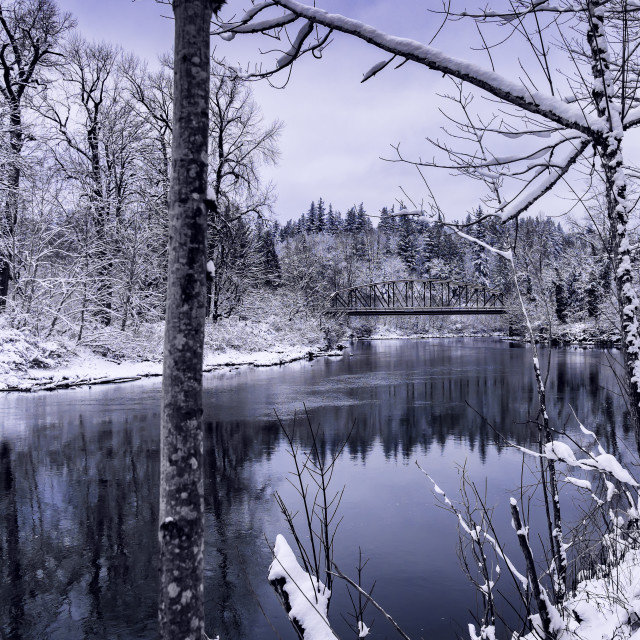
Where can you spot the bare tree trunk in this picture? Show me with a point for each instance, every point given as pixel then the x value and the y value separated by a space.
pixel 13 198
pixel 538 594
pixel 181 532
pixel 101 215
pixel 610 150
pixel 207 311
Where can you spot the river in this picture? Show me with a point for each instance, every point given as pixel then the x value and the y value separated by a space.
pixel 79 483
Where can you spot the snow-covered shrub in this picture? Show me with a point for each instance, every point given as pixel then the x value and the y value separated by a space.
pixel 20 352
pixel 603 600
pixel 145 342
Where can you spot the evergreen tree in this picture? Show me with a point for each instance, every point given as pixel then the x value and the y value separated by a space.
pixel 480 258
pixel 350 224
pixel 386 227
pixel 288 231
pixel 498 236
pixel 362 222
pixel 562 304
pixel 428 251
pixel 320 216
pixel 575 293
pixel 333 221
pixel 452 254
pixel 598 285
pixel 312 219
pixel 593 295
pixel 361 225
pixel 269 256
pixel 387 222
pixel 407 244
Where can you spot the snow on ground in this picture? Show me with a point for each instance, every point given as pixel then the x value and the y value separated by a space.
pixel 604 608
pixel 92 369
pixel 30 364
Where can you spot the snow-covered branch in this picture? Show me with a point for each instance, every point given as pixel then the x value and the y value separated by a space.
pixel 542 104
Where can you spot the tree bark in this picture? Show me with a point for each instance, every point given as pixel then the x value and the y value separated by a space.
pixel 610 151
pixel 181 528
pixel 16 142
pixel 100 215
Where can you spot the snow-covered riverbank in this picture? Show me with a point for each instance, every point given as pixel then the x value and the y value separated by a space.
pixel 92 369
pixel 29 364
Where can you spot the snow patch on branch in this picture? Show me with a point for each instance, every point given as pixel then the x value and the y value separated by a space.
pixel 304 32
pixel 507 255
pixel 583 484
pixel 555 172
pixel 308 597
pixel 379 66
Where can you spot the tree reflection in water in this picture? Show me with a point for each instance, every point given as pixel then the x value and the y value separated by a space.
pixel 79 473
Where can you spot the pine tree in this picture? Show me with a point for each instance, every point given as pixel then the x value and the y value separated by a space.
pixel 333 221
pixel 499 237
pixel 269 257
pixel 407 244
pixel 350 224
pixel 480 258
pixel 386 227
pixel 562 304
pixel 428 251
pixel 312 219
pixel 387 222
pixel 362 222
pixel 575 292
pixel 593 297
pixel 320 216
pixel 452 254
pixel 288 231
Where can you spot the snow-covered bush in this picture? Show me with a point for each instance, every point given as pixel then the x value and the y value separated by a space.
pixel 19 352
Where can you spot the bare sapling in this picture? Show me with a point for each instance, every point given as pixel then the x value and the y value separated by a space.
pixel 311 480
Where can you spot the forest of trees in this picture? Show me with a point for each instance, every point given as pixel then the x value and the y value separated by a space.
pixel 85 176
pixel 85 187
pixel 565 274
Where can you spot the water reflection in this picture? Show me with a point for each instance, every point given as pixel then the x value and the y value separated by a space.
pixel 79 472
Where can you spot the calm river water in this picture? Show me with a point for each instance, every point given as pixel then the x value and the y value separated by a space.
pixel 79 483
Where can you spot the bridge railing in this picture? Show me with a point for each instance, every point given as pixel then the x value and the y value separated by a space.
pixel 415 296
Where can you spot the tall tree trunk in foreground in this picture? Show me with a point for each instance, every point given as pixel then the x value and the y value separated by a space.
pixel 181 531
pixel 618 206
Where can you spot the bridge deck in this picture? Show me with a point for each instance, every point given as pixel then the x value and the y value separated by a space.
pixel 418 311
pixel 417 298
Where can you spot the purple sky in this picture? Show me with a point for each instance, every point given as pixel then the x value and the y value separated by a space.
pixel 336 129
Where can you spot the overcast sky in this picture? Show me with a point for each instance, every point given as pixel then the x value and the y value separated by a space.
pixel 336 129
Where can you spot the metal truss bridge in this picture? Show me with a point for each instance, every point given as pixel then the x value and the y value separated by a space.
pixel 417 298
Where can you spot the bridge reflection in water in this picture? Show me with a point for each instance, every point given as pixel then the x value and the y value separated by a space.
pixel 417 297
